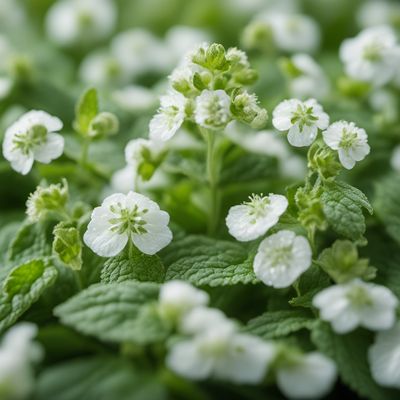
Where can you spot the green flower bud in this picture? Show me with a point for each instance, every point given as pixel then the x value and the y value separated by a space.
pixel 20 67
pixel 212 57
pixel 245 108
pixel 257 35
pixel 103 124
pixel 352 88
pixel 323 160
pixel 288 67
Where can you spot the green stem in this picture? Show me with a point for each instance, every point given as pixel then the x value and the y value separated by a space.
pixel 85 152
pixel 79 280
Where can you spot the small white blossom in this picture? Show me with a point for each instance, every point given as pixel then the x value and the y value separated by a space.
pixel 308 376
pixel 169 117
pixel 281 258
pixel 371 56
pixel 357 303
pixel 255 217
pixel 350 141
pixel 384 357
pixel 32 137
pixel 311 82
pixel 123 218
pixel 17 354
pixel 139 150
pixel 71 22
pixel 222 353
pixel 301 119
pixel 378 12
pixel 212 109
pixel 178 298
pixel 395 160
pixel 135 98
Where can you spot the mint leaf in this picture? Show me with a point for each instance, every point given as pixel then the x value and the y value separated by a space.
pixel 136 266
pixel 98 378
pixel 342 205
pixel 387 204
pixel 206 261
pixel 67 245
pixel 117 312
pixel 22 288
pixel 86 109
pixel 276 324
pixel 350 354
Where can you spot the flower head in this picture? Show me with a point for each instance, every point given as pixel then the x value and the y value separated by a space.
pixel 349 140
pixel 281 258
pixel 255 217
pixel 357 303
pixel 31 138
pixel 124 218
pixel 301 119
pixel 384 357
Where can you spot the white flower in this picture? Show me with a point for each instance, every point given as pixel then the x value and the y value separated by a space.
pixel 281 258
pixel 384 357
pixel 169 117
pixel 123 218
pixel 71 22
pixel 349 140
pixel 212 109
pixel 395 160
pixel 139 150
pixel 223 354
pixel 371 56
pixel 32 137
pixel 177 298
pixel 135 98
pixel 255 217
pixel 302 119
pixel 357 303
pixel 308 376
pixel 17 353
pixel 311 82
pixel 378 12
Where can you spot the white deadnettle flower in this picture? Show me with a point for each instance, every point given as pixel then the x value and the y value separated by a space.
pixel 308 376
pixel 281 258
pixel 372 55
pixel 312 81
pixel 212 109
pixel 178 298
pixel 384 357
pixel 223 354
pixel 301 119
pixel 255 217
pixel 17 353
pixel 70 22
pixel 32 137
pixel 123 218
pixel 135 98
pixel 137 150
pixel 350 141
pixel 395 160
pixel 378 12
pixel 357 303
pixel 169 118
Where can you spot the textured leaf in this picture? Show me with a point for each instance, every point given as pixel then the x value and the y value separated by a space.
pixel 22 288
pixel 67 245
pixel 342 205
pixel 98 378
pixel 86 109
pixel 137 266
pixel 276 324
pixel 120 312
pixel 350 354
pixel 206 261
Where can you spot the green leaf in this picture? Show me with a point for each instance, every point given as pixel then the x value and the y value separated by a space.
pixel 206 261
pixel 387 204
pixel 277 324
pixel 117 312
pixel 136 266
pixel 350 354
pixel 22 288
pixel 98 378
pixel 342 205
pixel 67 245
pixel 86 109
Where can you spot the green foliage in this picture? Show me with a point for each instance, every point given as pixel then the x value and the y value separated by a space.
pixel 86 109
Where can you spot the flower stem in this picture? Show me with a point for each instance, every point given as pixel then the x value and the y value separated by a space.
pixel 79 280
pixel 85 152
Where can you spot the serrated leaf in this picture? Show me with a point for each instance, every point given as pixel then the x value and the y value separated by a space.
pixel 115 312
pixel 277 324
pixel 136 266
pixel 350 354
pixel 206 261
pixel 67 245
pixel 98 378
pixel 342 205
pixel 87 108
pixel 387 204
pixel 22 288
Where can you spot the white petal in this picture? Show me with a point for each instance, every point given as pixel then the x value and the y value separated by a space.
pixel 302 138
pixel 51 149
pixel 35 117
pixel 345 159
pixel 22 163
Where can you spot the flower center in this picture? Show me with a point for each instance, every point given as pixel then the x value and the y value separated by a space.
pixel 215 113
pixel 359 297
pixel 348 140
pixel 303 116
pixel 373 52
pixel 171 113
pixel 280 256
pixel 126 220
pixel 214 347
pixel 34 136
pixel 258 207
